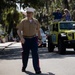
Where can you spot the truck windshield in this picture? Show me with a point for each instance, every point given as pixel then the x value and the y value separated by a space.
pixel 68 26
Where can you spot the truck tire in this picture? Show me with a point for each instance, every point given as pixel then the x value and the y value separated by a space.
pixel 50 44
pixel 61 47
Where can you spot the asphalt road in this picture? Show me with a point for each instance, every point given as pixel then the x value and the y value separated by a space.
pixel 50 63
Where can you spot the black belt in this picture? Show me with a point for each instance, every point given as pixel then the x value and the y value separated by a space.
pixel 29 36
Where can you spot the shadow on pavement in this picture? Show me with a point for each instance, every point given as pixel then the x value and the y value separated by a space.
pixel 30 73
pixel 56 55
pixel 10 54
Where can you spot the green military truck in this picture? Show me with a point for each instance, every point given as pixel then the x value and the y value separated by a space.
pixel 62 35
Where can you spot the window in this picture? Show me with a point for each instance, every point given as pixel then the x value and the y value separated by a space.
pixel 67 26
pixel 55 27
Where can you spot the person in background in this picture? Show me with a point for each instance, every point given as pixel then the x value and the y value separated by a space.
pixel 66 15
pixel 57 14
pixel 30 27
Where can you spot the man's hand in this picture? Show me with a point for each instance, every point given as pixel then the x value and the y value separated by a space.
pixel 39 42
pixel 22 40
pixel 21 37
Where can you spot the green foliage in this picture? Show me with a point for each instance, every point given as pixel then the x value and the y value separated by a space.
pixel 33 3
pixel 9 17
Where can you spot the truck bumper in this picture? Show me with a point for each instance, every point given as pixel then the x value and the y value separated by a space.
pixel 69 43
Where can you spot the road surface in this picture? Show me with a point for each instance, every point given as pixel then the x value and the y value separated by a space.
pixel 50 63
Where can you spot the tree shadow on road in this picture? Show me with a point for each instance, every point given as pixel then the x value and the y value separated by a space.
pixel 11 54
pixel 56 55
pixel 15 53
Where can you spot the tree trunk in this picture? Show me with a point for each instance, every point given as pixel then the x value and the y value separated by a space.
pixel 66 4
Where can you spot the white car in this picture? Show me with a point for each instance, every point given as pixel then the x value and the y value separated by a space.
pixel 43 35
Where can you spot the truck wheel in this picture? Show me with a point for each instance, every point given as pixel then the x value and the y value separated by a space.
pixel 50 44
pixel 61 47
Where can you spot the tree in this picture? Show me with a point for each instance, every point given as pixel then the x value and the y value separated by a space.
pixel 5 4
pixel 12 19
pixel 66 4
pixel 33 3
pixel 9 19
